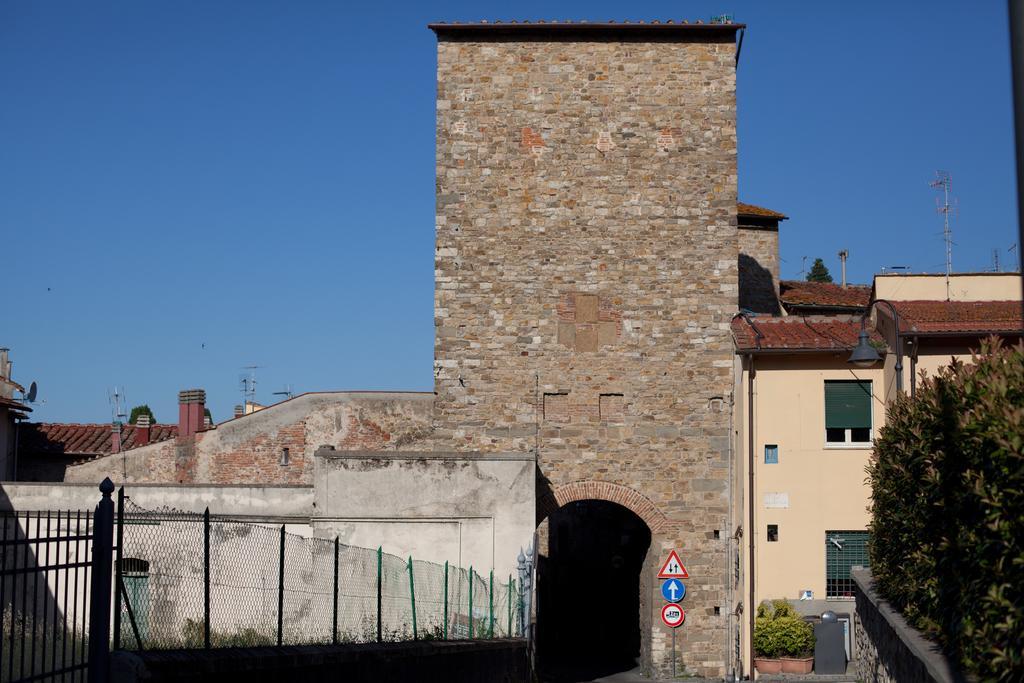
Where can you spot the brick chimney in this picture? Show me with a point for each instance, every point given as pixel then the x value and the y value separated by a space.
pixel 115 437
pixel 239 411
pixel 191 411
pixel 142 430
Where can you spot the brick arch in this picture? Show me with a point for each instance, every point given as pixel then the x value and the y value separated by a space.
pixel 635 502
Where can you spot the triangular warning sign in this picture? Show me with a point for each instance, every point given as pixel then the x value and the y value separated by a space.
pixel 673 568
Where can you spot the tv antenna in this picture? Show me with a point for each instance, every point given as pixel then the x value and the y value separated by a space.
pixel 247 383
pixel 943 182
pixel 286 392
pixel 117 405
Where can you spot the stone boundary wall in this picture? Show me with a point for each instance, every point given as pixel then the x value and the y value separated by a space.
pixel 491 661
pixel 889 649
pixel 291 504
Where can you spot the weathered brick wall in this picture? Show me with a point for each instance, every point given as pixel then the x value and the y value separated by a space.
pixel 248 450
pixel 759 269
pixel 586 273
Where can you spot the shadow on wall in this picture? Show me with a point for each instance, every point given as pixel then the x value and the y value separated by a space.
pixel 758 291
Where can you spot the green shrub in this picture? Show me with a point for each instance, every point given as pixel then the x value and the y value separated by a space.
pixel 947 505
pixel 780 632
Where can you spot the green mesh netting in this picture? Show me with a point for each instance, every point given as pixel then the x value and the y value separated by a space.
pixel 163 604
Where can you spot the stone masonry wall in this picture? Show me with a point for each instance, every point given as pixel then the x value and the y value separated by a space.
pixel 586 273
pixel 889 650
pixel 248 450
pixel 759 269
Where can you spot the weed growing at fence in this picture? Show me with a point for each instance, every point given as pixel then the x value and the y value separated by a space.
pixel 192 578
pixel 192 636
pixel 35 646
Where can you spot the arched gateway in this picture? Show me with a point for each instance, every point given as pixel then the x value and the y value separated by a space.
pixel 635 502
pixel 594 541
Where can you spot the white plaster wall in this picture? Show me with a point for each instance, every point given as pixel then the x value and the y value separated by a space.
pixel 467 509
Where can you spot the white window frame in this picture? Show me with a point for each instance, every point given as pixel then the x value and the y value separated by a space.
pixel 848 444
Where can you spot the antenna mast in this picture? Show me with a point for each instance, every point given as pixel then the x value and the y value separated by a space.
pixel 942 182
pixel 248 386
pixel 117 404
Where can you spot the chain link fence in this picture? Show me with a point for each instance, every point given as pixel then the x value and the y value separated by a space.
pixel 196 580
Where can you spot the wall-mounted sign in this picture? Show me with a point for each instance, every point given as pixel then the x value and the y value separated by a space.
pixel 673 568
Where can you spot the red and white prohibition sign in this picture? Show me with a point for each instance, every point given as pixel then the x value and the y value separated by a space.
pixel 673 615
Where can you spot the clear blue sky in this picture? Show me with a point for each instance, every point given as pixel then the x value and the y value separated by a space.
pixel 258 177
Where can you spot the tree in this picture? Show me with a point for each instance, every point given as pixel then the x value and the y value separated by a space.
pixel 819 272
pixel 141 410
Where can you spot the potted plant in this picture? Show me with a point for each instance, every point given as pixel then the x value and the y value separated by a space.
pixel 783 642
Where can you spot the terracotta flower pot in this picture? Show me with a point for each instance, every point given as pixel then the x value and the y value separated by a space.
pixel 767 666
pixel 791 665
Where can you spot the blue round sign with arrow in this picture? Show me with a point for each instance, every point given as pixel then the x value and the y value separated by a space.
pixel 673 590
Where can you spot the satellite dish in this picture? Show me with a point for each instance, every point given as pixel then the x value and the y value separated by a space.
pixel 31 395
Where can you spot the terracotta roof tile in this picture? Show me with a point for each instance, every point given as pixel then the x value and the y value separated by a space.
pixel 57 438
pixel 744 209
pixel 810 333
pixel 958 316
pixel 823 294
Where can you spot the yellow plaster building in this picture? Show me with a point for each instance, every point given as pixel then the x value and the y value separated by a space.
pixel 805 419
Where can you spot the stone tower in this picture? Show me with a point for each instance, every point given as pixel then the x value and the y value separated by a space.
pixel 586 275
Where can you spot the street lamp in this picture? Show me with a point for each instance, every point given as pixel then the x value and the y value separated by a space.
pixel 865 355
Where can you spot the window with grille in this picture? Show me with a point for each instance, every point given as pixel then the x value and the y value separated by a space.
pixel 847 412
pixel 843 550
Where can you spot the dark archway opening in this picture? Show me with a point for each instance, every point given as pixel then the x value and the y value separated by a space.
pixel 588 591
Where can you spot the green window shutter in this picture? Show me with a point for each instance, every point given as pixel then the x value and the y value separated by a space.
pixel 847 405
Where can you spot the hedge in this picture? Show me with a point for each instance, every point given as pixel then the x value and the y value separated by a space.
pixel 947 505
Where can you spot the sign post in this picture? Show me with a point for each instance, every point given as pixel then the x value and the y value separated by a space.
pixel 673 590
pixel 673 616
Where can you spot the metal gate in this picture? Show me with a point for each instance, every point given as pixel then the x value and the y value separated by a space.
pixel 55 581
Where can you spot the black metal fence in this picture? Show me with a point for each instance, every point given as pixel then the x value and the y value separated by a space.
pixel 172 579
pixel 54 583
pixel 199 580
pixel 42 590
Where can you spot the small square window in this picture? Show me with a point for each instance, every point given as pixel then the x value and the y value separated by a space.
pixel 771 454
pixel 773 533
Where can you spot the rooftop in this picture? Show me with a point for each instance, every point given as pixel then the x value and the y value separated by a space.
pixel 799 293
pixel 798 333
pixel 663 29
pixel 744 209
pixel 61 438
pixel 953 317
